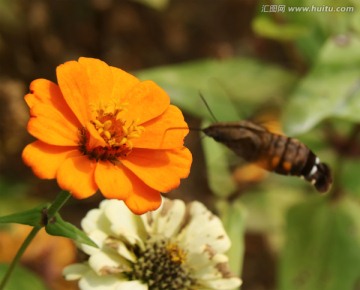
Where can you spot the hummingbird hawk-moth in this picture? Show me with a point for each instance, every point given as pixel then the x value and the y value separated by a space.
pixel 272 151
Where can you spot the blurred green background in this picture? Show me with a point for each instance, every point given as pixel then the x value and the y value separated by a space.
pixel 243 56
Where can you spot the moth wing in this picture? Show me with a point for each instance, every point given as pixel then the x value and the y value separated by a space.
pixel 248 174
pixel 264 163
pixel 247 144
pixel 269 118
pixel 273 127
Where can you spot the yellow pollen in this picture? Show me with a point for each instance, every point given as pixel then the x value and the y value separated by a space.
pixel 107 134
pixel 129 144
pixel 112 128
pixel 176 254
pixel 126 131
pixel 123 141
pixel 107 124
pixel 98 124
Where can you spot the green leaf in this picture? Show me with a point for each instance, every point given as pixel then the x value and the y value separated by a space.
pixel 231 87
pixel 355 21
pixel 267 27
pixel 268 204
pixel 331 89
pixel 329 16
pixel 58 227
pixel 322 250
pixel 233 217
pixel 32 217
pixel 320 24
pixel 13 196
pixel 349 176
pixel 22 278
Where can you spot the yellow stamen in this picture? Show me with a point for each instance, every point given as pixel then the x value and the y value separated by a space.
pixel 129 144
pixel 112 128
pixel 176 254
pixel 98 124
pixel 123 141
pixel 107 124
pixel 107 134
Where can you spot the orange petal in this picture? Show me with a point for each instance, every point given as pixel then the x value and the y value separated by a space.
pixel 113 181
pixel 146 101
pixel 75 87
pixel 94 137
pixel 143 198
pixel 76 174
pixel 159 169
pixel 123 83
pixel 50 126
pixel 46 92
pixel 51 112
pixel 100 80
pixel 46 159
pixel 43 91
pixel 164 132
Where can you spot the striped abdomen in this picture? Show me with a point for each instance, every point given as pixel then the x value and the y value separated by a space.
pixel 289 156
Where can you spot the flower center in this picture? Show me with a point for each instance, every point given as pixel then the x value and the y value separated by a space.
pixel 117 134
pixel 162 266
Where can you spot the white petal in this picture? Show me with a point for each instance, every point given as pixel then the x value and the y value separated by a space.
pixel 123 222
pixel 98 237
pixel 124 252
pixel 96 219
pixel 104 203
pixel 90 221
pixel 203 230
pixel 91 281
pixel 216 275
pixel 219 258
pixel 166 220
pixel 197 260
pixel 89 250
pixel 133 285
pixel 103 260
pixel 75 271
pixel 207 272
pixel 223 284
pixel 201 261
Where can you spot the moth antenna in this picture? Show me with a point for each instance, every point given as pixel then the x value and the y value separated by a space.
pixel 208 107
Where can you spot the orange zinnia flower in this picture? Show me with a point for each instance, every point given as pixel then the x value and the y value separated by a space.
pixel 102 128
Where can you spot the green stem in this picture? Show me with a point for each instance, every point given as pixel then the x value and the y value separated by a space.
pixel 56 205
pixel 20 252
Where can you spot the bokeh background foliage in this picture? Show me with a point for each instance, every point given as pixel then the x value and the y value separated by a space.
pixel 243 60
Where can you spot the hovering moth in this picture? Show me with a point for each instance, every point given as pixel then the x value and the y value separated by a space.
pixel 272 151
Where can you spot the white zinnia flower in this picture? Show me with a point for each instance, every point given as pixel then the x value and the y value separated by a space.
pixel 176 247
